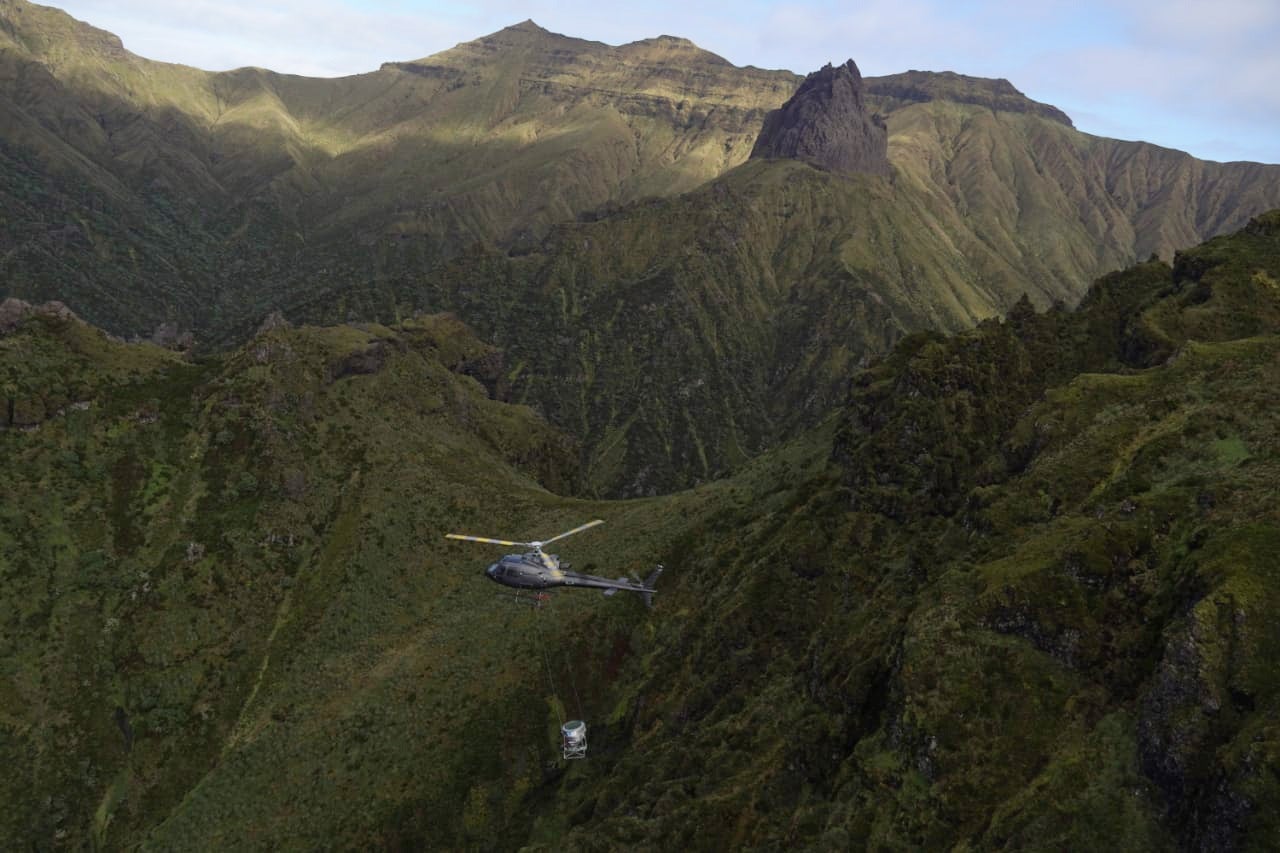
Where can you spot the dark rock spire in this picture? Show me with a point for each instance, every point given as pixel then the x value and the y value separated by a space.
pixel 826 123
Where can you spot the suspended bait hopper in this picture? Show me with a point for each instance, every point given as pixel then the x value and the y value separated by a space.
pixel 573 735
pixel 536 570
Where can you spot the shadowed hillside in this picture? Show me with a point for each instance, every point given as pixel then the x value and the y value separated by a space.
pixel 1017 591
pixel 680 337
pixel 143 190
pixel 1029 605
pixel 230 613
pixel 210 566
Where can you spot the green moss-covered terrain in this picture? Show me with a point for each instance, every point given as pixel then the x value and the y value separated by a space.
pixel 967 548
pixel 1016 591
pixel 1027 605
pixel 178 536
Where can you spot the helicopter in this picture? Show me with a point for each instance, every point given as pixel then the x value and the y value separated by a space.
pixel 537 570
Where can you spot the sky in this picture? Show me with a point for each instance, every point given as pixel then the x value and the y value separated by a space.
pixel 1198 75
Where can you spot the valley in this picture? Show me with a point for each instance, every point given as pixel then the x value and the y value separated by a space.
pixel 956 431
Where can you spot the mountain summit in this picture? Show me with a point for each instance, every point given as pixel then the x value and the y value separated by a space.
pixel 826 123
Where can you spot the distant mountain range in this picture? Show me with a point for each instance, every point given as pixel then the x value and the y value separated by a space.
pixel 567 198
pixel 140 191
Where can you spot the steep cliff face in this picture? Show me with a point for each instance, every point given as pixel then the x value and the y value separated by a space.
pixel 702 329
pixel 1019 592
pixel 826 123
pixel 700 325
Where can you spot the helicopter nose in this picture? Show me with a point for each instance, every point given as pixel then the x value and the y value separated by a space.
pixel 492 571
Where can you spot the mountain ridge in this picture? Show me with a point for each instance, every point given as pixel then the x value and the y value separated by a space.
pixel 996 93
pixel 573 177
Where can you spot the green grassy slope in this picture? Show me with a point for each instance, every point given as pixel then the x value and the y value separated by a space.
pixel 200 557
pixel 1058 205
pixel 230 614
pixel 680 350
pixel 1029 606
pixel 697 311
pixel 142 192
pixel 491 140
pixel 1017 592
pixel 679 337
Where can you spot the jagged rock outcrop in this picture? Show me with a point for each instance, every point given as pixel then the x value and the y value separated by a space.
pixel 274 320
pixel 489 369
pixel 170 336
pixel 13 311
pixel 827 123
pixel 365 361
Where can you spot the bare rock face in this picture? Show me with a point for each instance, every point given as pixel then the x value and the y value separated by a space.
pixel 364 362
pixel 169 336
pixel 489 369
pixel 826 123
pixel 274 320
pixel 13 311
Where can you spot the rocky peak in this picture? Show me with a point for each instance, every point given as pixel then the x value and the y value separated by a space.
pixel 528 25
pixel 671 49
pixel 13 311
pixel 275 320
pixel 46 32
pixel 827 123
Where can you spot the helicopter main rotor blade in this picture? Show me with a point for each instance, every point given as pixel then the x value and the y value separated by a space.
pixel 573 531
pixel 466 538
